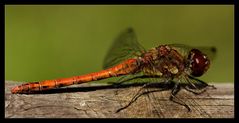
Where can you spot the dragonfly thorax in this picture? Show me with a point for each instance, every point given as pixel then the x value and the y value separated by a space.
pixel 163 61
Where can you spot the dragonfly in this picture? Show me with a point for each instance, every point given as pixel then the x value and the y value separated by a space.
pixel 174 66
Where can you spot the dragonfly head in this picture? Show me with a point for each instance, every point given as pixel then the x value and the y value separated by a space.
pixel 199 62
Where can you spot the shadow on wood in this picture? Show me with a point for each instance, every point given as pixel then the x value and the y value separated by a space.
pixel 103 101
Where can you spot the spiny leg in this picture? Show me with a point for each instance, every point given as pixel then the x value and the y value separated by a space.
pixel 135 97
pixel 197 87
pixel 202 82
pixel 173 96
pixel 196 92
pixel 138 94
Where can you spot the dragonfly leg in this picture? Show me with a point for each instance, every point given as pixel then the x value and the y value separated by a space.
pixel 139 94
pixel 197 92
pixel 202 82
pixel 136 96
pixel 173 96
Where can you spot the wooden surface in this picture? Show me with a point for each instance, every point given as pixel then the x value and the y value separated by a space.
pixel 94 101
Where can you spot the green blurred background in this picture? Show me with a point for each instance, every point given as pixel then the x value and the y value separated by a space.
pixel 57 41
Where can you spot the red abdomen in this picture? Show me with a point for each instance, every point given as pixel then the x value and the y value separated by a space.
pixel 126 67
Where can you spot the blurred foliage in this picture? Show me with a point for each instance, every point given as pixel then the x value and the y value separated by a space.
pixel 57 41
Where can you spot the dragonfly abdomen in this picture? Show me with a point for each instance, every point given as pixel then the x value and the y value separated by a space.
pixel 126 67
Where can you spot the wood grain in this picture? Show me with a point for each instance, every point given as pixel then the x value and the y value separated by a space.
pixel 102 101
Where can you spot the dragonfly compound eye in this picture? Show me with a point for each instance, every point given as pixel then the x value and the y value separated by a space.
pixel 199 62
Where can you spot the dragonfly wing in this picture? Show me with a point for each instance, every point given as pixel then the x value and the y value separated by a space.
pixel 123 47
pixel 138 79
pixel 195 102
pixel 136 101
pixel 210 51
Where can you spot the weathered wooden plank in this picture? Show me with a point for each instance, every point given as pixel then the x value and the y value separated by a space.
pixel 84 101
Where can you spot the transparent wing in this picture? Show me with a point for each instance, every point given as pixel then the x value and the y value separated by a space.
pixel 135 101
pixel 198 107
pixel 153 101
pixel 123 47
pixel 210 51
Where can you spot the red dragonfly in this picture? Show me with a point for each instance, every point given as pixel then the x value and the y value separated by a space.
pixel 173 63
